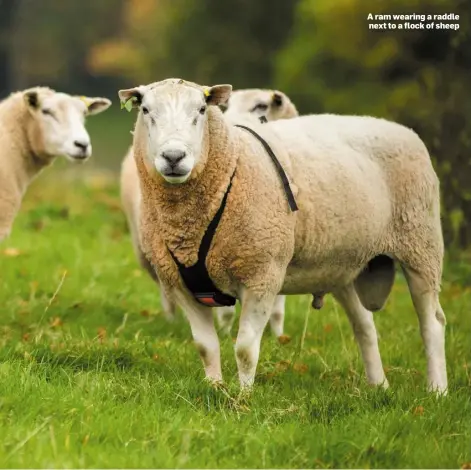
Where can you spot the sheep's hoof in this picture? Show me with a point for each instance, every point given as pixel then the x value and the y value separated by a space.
pixel 245 392
pixel 217 384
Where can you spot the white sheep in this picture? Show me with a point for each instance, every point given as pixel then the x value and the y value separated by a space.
pixel 272 104
pixel 365 187
pixel 37 125
pixel 241 106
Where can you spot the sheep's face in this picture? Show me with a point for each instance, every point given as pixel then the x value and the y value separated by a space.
pixel 174 114
pixel 57 127
pixel 271 104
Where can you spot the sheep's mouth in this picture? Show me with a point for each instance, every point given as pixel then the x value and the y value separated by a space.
pixel 176 177
pixel 79 158
pixel 175 174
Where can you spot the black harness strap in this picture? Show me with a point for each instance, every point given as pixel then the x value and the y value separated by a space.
pixel 196 277
pixel 289 193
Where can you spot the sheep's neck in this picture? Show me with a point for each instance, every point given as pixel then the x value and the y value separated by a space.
pixel 183 213
pixel 18 156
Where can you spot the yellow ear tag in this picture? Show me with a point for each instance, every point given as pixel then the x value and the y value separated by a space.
pixel 84 99
pixel 206 92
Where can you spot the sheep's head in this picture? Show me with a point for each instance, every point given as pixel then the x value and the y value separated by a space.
pixel 173 121
pixel 57 124
pixel 271 104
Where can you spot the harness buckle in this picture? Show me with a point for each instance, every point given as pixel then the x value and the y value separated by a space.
pixel 214 299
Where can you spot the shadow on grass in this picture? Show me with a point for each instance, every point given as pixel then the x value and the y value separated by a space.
pixel 98 360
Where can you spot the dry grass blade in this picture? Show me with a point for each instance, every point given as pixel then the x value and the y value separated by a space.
pixel 51 300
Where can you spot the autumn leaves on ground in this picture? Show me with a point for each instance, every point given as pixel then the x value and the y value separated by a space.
pixel 91 374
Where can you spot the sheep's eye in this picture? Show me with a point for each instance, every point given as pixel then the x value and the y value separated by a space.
pixel 260 107
pixel 202 109
pixel 47 112
pixel 145 110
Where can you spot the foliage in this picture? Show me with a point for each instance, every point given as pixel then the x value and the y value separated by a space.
pixel 208 41
pixel 140 50
pixel 419 78
pixel 50 42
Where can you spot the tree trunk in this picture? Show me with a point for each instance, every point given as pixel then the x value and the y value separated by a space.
pixel 7 13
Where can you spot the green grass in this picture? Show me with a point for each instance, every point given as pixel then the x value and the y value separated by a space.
pixel 110 134
pixel 91 374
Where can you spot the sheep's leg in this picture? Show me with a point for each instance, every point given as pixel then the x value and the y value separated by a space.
pixel 253 320
pixel 4 233
pixel 168 306
pixel 204 335
pixel 365 334
pixel 225 316
pixel 277 318
pixel 10 208
pixel 432 327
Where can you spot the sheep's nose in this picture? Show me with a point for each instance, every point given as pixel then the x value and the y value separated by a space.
pixel 81 145
pixel 173 156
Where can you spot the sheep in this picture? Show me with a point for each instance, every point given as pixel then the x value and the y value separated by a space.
pixel 130 201
pixel 272 104
pixel 36 125
pixel 241 106
pixel 365 187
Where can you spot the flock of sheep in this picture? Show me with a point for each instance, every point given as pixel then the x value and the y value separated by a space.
pixel 232 195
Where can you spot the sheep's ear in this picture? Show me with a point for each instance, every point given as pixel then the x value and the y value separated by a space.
pixel 277 98
pixel 130 98
pixel 95 105
pixel 31 98
pixel 217 94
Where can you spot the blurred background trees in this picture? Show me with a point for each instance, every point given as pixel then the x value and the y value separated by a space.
pixel 320 52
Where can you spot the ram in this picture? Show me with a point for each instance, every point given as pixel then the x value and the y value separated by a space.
pixel 242 106
pixel 363 187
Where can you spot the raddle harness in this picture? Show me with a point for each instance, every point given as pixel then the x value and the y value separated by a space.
pixel 196 277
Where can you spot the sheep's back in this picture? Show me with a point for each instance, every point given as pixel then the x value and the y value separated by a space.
pixel 362 183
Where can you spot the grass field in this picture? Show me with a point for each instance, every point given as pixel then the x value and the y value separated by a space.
pixel 91 375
